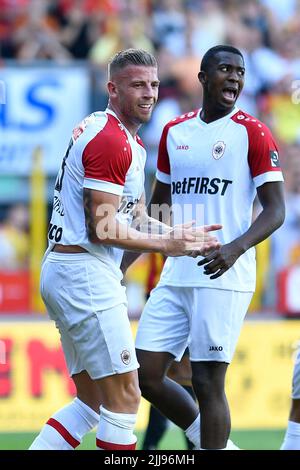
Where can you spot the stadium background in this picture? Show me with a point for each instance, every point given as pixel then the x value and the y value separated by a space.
pixel 53 57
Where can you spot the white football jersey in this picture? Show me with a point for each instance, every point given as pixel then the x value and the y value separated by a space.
pixel 214 170
pixel 102 155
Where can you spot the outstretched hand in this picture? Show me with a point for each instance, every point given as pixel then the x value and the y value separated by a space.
pixel 209 242
pixel 188 240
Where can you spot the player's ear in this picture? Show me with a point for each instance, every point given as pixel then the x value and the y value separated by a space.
pixel 202 77
pixel 112 89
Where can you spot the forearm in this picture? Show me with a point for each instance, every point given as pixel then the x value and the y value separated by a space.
pixel 146 225
pixel 122 236
pixel 153 226
pixel 264 225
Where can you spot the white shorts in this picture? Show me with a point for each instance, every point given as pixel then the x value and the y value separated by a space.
pixel 96 340
pixel 206 320
pixel 296 378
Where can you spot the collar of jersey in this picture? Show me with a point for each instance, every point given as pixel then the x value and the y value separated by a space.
pixel 109 111
pixel 217 121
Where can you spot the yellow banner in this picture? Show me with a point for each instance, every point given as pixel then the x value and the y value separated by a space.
pixel 38 227
pixel 260 377
pixel 34 381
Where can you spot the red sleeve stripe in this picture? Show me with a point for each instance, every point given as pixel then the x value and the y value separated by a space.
pixel 63 432
pixel 108 155
pixel 163 161
pixel 110 446
pixel 261 144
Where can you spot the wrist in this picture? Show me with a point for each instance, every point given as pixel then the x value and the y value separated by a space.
pixel 163 246
pixel 241 246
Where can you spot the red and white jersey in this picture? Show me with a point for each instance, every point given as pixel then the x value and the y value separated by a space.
pixel 214 170
pixel 102 155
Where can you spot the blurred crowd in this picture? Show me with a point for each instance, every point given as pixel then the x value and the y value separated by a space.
pixel 178 32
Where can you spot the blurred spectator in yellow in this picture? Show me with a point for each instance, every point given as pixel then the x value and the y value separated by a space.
pixel 14 239
pixel 122 32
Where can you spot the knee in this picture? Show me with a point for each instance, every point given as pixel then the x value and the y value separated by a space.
pixel 89 395
pixel 207 386
pixel 152 371
pixel 93 401
pixel 130 394
pixel 148 382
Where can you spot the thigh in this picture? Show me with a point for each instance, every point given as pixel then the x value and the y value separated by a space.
pixel 105 344
pixel 73 288
pixel 88 390
pixel 216 321
pixel 94 339
pixel 181 371
pixel 162 361
pixel 102 344
pixel 164 325
pixel 73 360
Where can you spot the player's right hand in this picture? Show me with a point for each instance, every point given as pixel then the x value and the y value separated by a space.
pixel 188 240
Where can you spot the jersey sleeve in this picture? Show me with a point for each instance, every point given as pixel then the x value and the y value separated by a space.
pixel 263 155
pixel 106 163
pixel 163 173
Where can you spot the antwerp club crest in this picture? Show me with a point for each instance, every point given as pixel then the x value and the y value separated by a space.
pixel 218 149
pixel 126 357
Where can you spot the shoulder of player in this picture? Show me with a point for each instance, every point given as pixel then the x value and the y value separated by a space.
pixel 113 134
pixel 107 133
pixel 254 126
pixel 181 119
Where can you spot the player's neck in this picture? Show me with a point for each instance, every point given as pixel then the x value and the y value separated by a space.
pixel 213 113
pixel 130 126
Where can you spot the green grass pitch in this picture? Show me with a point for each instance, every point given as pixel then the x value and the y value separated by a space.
pixel 173 440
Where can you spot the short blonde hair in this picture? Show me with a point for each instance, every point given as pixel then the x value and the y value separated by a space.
pixel 130 57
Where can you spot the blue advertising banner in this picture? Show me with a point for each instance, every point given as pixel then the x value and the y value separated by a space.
pixel 41 107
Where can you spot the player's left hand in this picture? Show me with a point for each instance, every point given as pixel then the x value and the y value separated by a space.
pixel 205 251
pixel 219 261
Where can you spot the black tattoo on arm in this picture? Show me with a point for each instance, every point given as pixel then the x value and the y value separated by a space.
pixel 89 219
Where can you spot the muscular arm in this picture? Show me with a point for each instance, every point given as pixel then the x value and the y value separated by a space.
pixel 271 197
pixel 103 228
pixel 161 195
pixel 152 221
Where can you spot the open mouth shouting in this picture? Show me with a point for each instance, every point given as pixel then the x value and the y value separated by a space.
pixel 230 94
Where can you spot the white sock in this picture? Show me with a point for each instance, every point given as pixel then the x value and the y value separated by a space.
pixel 193 432
pixel 231 446
pixel 65 429
pixel 292 437
pixel 115 431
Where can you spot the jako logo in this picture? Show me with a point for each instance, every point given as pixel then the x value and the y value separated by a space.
pixel 182 147
pixel 215 348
